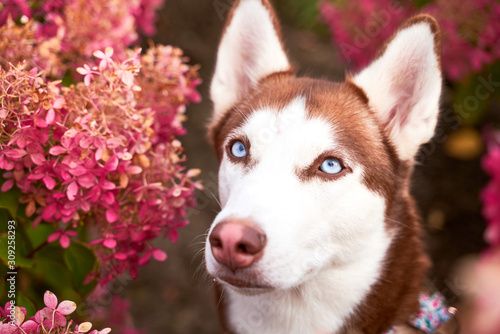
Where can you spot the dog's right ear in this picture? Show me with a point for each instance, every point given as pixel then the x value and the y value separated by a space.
pixel 250 49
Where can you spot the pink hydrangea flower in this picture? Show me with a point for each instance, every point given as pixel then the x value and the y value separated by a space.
pixel 469 41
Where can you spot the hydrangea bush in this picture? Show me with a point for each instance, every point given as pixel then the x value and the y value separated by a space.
pixel 469 31
pixel 91 164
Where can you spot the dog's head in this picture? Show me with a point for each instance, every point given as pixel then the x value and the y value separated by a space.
pixel 308 167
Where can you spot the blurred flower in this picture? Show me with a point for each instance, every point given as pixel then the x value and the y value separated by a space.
pixel 470 30
pixel 482 311
pixel 491 193
pixel 51 319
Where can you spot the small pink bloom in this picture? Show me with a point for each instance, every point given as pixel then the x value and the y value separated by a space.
pixel 87 72
pixel 111 216
pixel 63 237
pixel 72 191
pixel 105 57
pixel 109 243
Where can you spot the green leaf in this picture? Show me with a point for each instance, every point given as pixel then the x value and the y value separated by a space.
pixel 10 200
pixel 26 303
pixel 3 274
pixel 81 260
pixel 50 268
pixel 4 217
pixel 39 235
pixel 422 3
pixel 20 260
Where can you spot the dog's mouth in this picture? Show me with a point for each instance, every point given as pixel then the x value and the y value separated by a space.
pixel 239 283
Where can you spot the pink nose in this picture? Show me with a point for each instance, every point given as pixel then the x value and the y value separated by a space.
pixel 236 244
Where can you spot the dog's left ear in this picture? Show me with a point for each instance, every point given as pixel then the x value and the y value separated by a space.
pixel 250 49
pixel 403 84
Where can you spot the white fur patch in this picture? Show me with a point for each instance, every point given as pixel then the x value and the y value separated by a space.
pixel 404 87
pixel 250 50
pixel 326 240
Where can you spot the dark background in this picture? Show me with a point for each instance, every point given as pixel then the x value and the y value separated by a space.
pixel 176 296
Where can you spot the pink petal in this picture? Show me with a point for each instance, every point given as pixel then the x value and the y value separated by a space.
pixel 78 171
pixel 16 153
pixel 86 142
pixel 38 158
pixel 58 103
pixel 49 211
pixel 64 241
pixel 39 316
pixel 40 123
pixel 47 312
pixel 53 237
pixel 86 181
pixel 7 185
pixel 120 256
pixel 49 182
pixel 50 300
pixel 173 235
pixel 113 143
pixel 128 79
pixel 66 307
pixel 8 328
pixel 109 243
pixel 109 51
pixel 108 198
pixel 144 259
pixel 29 326
pixel 87 79
pixel 81 70
pixel 107 185
pixel 60 320
pixel 57 150
pixel 111 216
pixel 50 116
pixel 37 222
pixel 134 170
pixel 72 191
pixel 99 54
pixel 111 164
pixel 159 255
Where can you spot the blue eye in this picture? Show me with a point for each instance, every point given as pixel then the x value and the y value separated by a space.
pixel 331 166
pixel 238 149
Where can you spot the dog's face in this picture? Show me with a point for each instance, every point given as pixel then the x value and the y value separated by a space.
pixel 318 198
pixel 307 166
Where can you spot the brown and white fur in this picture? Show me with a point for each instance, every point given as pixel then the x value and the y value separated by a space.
pixel 343 252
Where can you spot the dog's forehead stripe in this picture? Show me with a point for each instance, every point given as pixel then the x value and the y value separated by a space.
pixel 289 134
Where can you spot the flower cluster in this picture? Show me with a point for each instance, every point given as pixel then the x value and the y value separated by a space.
pixel 491 193
pixel 358 27
pixel 99 152
pixel 67 32
pixel 470 30
pixel 50 320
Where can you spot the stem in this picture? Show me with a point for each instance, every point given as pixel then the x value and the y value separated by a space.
pixel 30 255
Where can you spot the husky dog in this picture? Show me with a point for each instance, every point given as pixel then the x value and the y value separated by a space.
pixel 318 232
